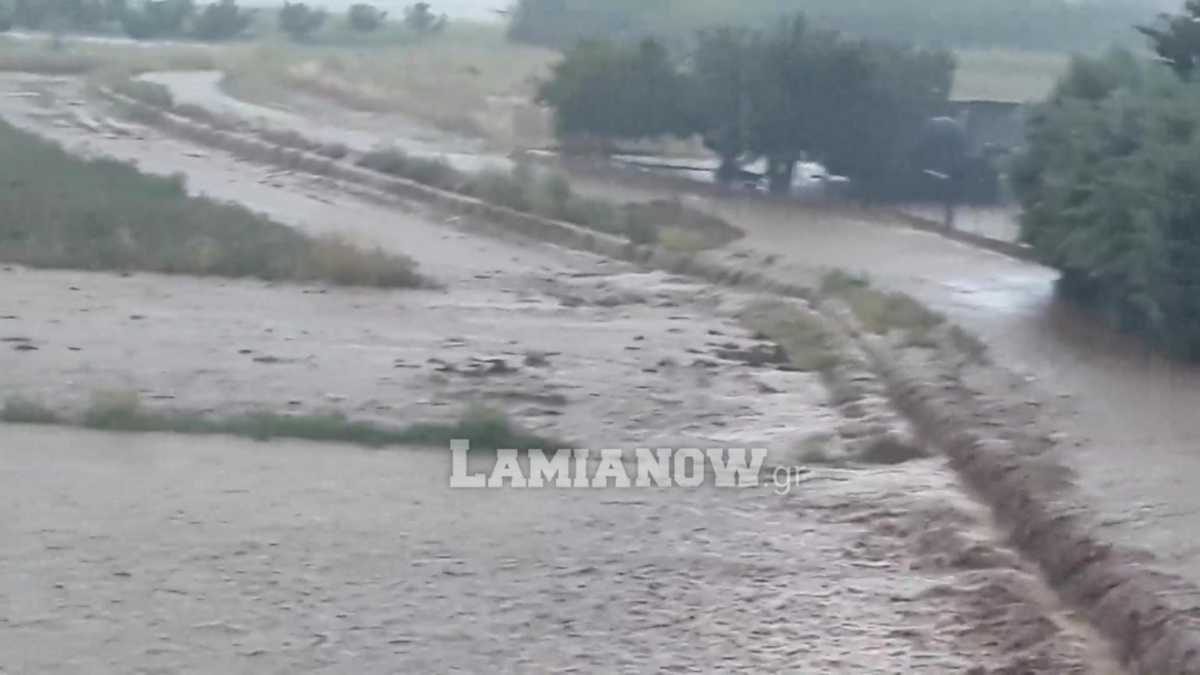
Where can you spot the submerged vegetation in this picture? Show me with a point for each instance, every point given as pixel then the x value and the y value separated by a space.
pixel 882 312
pixel 486 428
pixel 64 212
pixel 549 194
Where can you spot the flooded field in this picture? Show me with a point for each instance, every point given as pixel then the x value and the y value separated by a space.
pixel 192 553
pixel 234 556
pixel 1119 413
pixel 290 556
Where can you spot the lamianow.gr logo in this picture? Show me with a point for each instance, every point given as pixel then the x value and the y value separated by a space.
pixel 610 468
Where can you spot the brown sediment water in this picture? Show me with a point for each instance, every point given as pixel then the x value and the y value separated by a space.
pixel 864 570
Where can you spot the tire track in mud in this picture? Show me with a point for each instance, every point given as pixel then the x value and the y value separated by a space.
pixel 1121 598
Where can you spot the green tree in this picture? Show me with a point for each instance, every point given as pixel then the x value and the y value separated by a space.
pixel 1177 38
pixel 882 119
pixel 1110 185
pixel 365 18
pixel 723 69
pixel 222 20
pixel 7 16
pixel 605 91
pixel 157 18
pixel 420 19
pixel 300 21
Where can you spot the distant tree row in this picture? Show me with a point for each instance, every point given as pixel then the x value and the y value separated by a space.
pixel 174 19
pixel 301 21
pixel 782 94
pixel 1029 24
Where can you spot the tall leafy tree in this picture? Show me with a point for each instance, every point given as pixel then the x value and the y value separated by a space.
pixel 420 19
pixel 300 21
pixel 723 68
pixel 1177 38
pixel 365 18
pixel 157 18
pixel 222 20
pixel 1110 186
pixel 602 90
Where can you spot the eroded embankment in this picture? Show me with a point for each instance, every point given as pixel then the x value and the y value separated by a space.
pixel 1147 615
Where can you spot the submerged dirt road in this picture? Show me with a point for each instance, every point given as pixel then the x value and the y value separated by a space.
pixel 165 554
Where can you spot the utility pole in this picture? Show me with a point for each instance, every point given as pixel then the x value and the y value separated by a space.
pixel 947 197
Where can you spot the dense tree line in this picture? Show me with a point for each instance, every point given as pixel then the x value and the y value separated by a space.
pixel 784 94
pixel 1033 24
pixel 184 19
pixel 149 19
pixel 1110 186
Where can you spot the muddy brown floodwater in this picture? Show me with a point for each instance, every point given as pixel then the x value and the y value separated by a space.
pixel 230 556
pixel 157 553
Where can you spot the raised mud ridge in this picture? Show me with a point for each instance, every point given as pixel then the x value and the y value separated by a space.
pixel 1151 618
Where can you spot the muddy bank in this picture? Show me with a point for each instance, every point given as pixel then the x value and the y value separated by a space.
pixel 1148 615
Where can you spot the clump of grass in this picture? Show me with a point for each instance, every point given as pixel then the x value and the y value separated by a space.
pixel 641 231
pixel 119 411
pixel 21 410
pixel 969 345
pixel 203 115
pixel 803 337
pixel 880 311
pixel 485 428
pixel 64 212
pixel 501 188
pixel 839 282
pixel 289 138
pixel 332 150
pixel 553 199
pixel 550 195
pixel 680 240
pixel 818 449
pixel 150 93
pixel 433 172
pixel 704 229
pixel 334 259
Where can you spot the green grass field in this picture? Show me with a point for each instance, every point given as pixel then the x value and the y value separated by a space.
pixel 65 212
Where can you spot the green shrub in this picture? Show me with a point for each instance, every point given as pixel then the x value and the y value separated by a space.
pixel 501 188
pixel 21 410
pixel 435 172
pixel 365 18
pixel 150 93
pixel 641 231
pixel 1109 185
pixel 299 20
pixel 485 428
